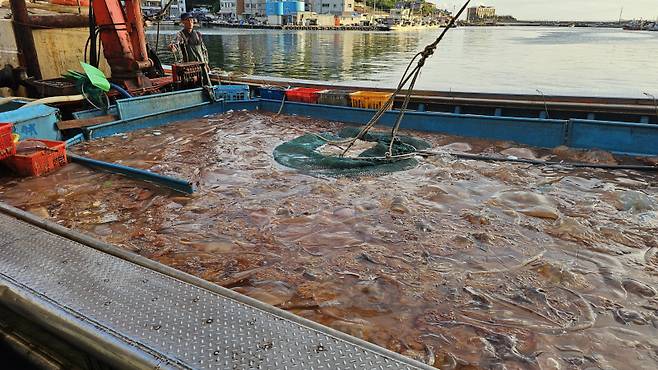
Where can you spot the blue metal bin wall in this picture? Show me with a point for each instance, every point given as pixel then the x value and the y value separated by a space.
pixel 37 122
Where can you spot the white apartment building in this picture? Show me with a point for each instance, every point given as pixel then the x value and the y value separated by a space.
pixel 151 6
pixel 254 8
pixel 480 13
pixel 228 9
pixel 177 8
pixel 337 7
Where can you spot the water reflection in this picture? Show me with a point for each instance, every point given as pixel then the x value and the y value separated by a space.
pixel 566 61
pixel 298 54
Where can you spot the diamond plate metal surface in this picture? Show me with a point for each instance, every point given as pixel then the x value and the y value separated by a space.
pixel 185 323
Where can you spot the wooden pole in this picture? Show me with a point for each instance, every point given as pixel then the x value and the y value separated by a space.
pixel 58 21
pixel 24 39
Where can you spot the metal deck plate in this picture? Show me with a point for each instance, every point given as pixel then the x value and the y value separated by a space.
pixel 187 325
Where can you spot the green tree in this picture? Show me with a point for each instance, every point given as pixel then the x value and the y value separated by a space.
pixel 381 4
pixel 427 8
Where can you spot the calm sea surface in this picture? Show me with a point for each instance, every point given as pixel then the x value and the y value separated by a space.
pixel 566 61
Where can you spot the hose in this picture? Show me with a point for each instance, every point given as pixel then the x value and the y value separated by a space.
pixel 54 99
pixel 10 99
pixel 120 89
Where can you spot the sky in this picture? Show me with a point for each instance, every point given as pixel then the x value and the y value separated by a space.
pixel 586 10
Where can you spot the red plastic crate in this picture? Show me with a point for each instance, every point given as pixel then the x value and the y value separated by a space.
pixel 41 161
pixel 7 146
pixel 303 94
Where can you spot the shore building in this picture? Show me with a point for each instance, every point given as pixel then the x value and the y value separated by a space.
pixel 228 9
pixel 280 12
pixel 480 13
pixel 153 6
pixel 254 9
pixel 336 7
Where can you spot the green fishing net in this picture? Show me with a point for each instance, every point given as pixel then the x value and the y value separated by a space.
pixel 302 153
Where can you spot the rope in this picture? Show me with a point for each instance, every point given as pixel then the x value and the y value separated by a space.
pixel 283 102
pixel 426 53
pixel 157 37
pixel 547 163
pixel 82 89
pixel 487 158
pixel 407 76
pixel 86 96
pixel 159 15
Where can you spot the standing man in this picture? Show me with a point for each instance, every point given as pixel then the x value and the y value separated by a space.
pixel 188 43
pixel 188 46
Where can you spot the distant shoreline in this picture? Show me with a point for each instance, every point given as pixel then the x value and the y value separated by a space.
pixel 544 25
pixel 561 24
pixel 579 24
pixel 207 25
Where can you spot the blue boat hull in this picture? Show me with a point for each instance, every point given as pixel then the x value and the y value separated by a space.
pixel 616 137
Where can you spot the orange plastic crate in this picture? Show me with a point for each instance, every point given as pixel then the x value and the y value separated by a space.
pixel 41 161
pixel 303 94
pixel 369 99
pixel 7 146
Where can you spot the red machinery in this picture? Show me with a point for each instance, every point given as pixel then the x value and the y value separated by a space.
pixel 121 31
pixel 120 24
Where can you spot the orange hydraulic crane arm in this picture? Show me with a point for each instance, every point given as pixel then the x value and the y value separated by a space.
pixel 122 36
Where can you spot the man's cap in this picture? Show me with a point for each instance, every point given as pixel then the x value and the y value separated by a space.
pixel 185 16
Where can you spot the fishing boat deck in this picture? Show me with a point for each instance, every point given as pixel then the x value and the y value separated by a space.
pixel 138 317
pixel 453 263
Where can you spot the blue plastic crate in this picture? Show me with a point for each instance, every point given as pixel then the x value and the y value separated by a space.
pixel 232 92
pixel 272 93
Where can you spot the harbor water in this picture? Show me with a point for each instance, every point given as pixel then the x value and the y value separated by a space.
pixel 529 60
pixel 460 264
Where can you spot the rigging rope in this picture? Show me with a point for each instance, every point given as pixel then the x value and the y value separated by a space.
pixel 406 77
pixel 159 15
